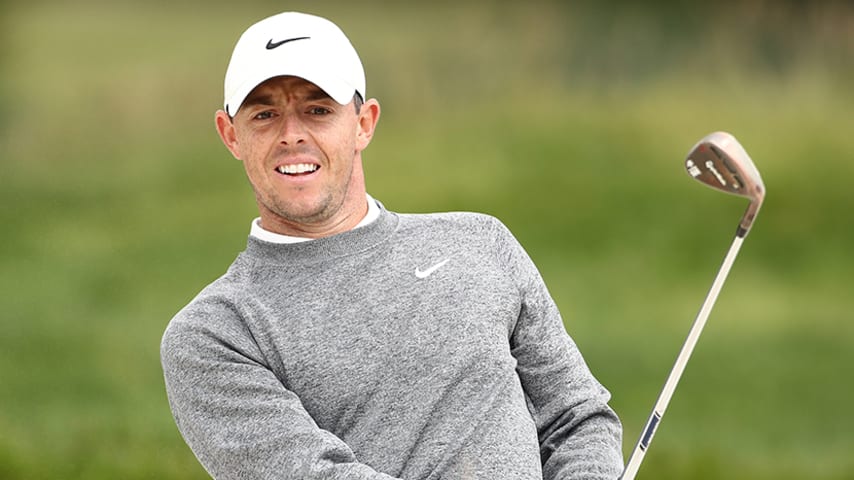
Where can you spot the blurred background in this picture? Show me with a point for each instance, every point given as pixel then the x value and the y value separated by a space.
pixel 567 120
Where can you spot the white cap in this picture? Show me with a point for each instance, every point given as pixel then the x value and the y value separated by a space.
pixel 297 44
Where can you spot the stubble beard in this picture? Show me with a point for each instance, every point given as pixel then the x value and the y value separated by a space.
pixel 320 210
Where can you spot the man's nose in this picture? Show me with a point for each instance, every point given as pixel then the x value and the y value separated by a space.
pixel 292 130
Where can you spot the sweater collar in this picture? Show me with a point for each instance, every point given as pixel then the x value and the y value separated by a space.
pixel 326 248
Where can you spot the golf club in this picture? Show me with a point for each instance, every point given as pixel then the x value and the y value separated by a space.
pixel 719 161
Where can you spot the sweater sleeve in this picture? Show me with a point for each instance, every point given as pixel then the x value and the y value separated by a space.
pixel 580 435
pixel 234 413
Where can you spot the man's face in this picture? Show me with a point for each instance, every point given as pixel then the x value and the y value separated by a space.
pixel 302 154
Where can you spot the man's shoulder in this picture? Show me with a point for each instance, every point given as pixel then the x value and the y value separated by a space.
pixel 470 222
pixel 465 227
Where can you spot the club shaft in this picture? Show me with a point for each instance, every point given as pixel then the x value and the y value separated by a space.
pixel 681 361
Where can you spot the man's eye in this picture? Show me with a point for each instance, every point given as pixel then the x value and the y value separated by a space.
pixel 264 115
pixel 319 111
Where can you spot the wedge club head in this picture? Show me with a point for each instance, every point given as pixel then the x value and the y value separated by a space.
pixel 719 161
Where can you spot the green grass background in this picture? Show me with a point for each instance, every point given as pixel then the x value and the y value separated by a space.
pixel 567 120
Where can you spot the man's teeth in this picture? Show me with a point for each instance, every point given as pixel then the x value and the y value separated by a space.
pixel 297 169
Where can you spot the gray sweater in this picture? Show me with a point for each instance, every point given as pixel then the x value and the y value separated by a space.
pixel 416 347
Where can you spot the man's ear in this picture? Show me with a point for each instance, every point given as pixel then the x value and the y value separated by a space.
pixel 225 128
pixel 369 115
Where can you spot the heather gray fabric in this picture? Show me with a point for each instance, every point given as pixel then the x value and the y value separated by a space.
pixel 331 359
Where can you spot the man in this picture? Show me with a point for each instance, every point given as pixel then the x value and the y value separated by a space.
pixel 351 342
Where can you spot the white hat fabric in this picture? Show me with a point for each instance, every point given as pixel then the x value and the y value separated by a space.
pixel 298 44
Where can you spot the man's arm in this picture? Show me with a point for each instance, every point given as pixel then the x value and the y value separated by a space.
pixel 235 414
pixel 580 436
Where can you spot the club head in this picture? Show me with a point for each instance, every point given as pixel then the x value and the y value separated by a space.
pixel 719 161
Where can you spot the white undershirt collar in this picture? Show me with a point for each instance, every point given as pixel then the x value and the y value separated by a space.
pixel 261 234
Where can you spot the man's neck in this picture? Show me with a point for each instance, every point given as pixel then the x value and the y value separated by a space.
pixel 260 231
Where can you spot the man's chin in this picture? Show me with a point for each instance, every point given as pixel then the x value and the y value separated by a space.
pixel 298 215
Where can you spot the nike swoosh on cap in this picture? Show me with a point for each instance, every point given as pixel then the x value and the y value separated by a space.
pixel 271 44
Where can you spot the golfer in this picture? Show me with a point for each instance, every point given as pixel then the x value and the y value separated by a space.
pixel 348 341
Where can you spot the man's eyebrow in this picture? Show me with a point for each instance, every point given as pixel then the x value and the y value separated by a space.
pixel 312 96
pixel 258 100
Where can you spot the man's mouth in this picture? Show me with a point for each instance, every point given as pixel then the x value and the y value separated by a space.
pixel 298 169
